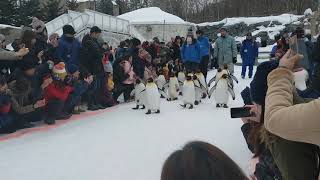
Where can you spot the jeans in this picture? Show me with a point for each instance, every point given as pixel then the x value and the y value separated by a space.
pixel 244 70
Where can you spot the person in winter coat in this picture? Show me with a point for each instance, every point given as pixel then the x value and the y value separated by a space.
pixel 138 63
pixel 24 106
pixel 287 155
pixel 29 40
pixel 40 29
pixel 225 51
pixel 124 77
pixel 205 52
pixel 91 61
pixel 51 53
pixel 7 122
pixel 191 53
pixel 283 118
pixel 201 160
pixel 176 56
pixel 249 53
pixel 10 55
pixel 69 47
pixel 56 94
pixel 295 142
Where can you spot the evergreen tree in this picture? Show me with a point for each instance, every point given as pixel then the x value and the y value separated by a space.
pixel 72 5
pixel 8 12
pixel 27 10
pixel 52 9
pixel 105 6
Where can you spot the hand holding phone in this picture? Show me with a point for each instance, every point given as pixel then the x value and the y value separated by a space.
pixel 249 113
pixel 242 112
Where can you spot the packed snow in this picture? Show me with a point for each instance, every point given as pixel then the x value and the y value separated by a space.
pixel 308 12
pixel 122 143
pixel 283 19
pixel 151 15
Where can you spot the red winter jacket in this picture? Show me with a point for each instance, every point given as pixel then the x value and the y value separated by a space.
pixel 55 92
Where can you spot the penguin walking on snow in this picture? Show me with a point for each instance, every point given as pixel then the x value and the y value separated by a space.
pixel 188 91
pixel 139 91
pixel 203 83
pixel 161 82
pixel 173 89
pixel 181 79
pixel 152 97
pixel 221 92
pixel 198 90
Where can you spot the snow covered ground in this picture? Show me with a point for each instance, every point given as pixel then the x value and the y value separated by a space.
pixel 121 144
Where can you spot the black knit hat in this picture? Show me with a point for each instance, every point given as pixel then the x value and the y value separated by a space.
pixel 135 42
pixel 95 29
pixel 259 85
pixel 68 29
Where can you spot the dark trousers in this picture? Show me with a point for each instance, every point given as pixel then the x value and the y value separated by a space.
pixel 8 124
pixel 34 116
pixel 191 67
pixel 126 89
pixel 204 65
pixel 54 109
pixel 96 90
pixel 72 102
pixel 244 70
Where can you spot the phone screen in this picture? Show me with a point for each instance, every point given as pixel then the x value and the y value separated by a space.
pixel 293 44
pixel 241 112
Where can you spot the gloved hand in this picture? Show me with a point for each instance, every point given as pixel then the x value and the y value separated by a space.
pixel 235 60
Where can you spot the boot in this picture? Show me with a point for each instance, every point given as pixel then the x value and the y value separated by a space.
pixel 64 116
pixel 93 107
pixel 136 108
pixel 81 109
pixel 149 112
pixel 50 121
pixel 158 111
pixel 76 110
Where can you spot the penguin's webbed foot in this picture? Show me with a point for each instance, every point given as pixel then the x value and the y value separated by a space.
pixel 225 106
pixel 136 108
pixel 149 112
pixel 143 107
pixel 183 105
pixel 191 106
pixel 158 111
pixel 196 103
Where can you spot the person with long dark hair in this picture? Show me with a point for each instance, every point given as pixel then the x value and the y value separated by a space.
pixel 201 161
pixel 191 53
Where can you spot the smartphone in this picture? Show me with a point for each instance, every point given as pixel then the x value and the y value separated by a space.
pixel 242 112
pixel 293 44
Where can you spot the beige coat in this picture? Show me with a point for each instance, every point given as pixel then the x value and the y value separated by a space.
pixel 292 122
pixel 8 55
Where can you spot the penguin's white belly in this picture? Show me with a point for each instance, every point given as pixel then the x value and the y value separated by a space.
pixel 139 95
pixel 188 94
pixel 161 82
pixel 221 94
pixel 152 98
pixel 173 85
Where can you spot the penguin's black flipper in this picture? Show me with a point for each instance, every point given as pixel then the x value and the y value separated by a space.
pixel 183 105
pixel 212 90
pixel 232 93
pixel 234 78
pixel 136 108
pixel 212 80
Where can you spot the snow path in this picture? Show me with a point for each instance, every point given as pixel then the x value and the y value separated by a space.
pixel 122 144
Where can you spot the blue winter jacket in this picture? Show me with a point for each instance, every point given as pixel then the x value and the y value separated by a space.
pixel 204 46
pixel 249 52
pixel 68 51
pixel 191 52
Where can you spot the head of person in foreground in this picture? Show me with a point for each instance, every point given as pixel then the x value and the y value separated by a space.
pixel 201 161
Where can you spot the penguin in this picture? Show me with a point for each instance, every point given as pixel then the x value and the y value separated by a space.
pixel 221 92
pixel 231 77
pixel 203 83
pixel 138 92
pixel 181 79
pixel 161 82
pixel 173 89
pixel 198 90
pixel 188 94
pixel 152 97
